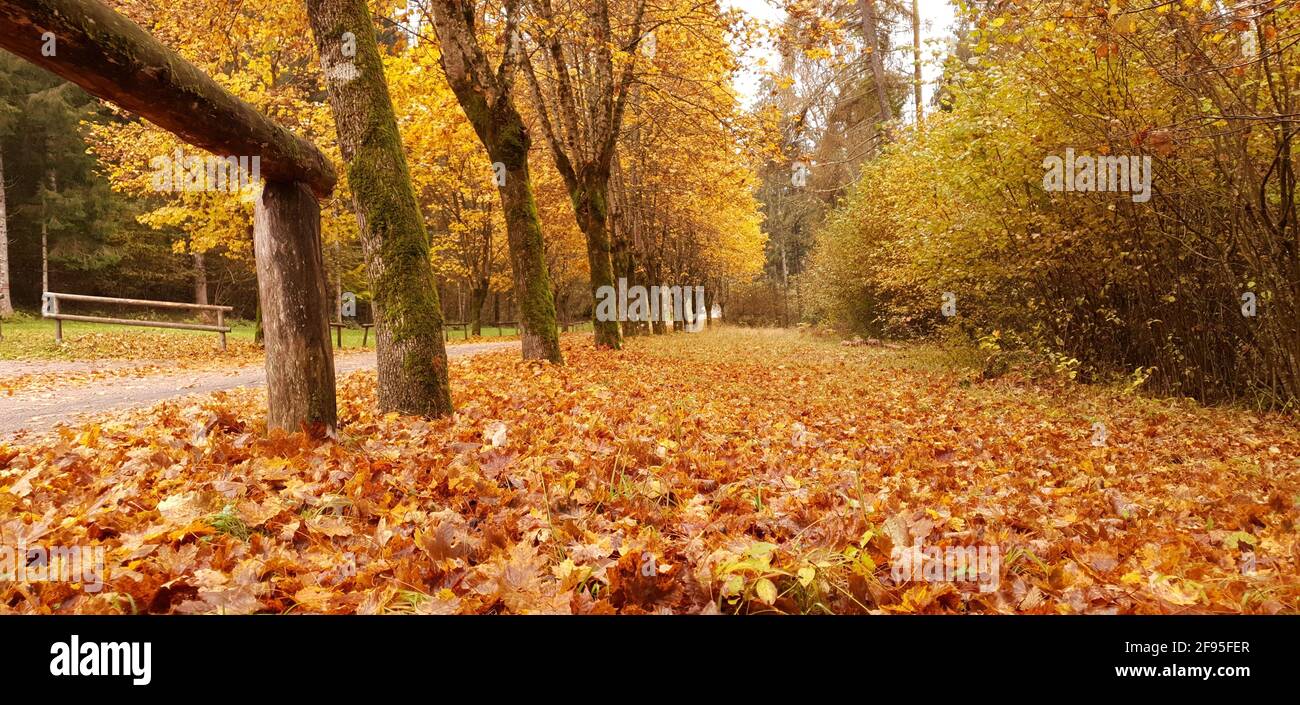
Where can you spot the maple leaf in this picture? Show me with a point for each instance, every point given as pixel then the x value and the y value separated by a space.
pixel 447 537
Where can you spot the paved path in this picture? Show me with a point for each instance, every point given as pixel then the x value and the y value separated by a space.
pixel 37 411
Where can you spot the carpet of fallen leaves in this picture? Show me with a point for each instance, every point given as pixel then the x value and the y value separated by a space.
pixel 733 471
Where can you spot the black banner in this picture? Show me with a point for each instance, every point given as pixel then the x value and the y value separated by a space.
pixel 932 655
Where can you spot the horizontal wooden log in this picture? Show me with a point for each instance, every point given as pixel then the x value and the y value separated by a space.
pixel 137 322
pixel 114 59
pixel 137 302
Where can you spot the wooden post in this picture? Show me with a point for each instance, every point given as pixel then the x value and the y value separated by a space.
pixel 221 323
pixel 58 322
pixel 295 308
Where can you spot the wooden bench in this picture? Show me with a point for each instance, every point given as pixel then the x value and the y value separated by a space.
pixel 50 309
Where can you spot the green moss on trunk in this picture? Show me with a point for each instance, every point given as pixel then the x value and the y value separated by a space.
pixel 412 358
pixel 591 206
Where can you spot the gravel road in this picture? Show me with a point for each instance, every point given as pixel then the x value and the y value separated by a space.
pixel 38 411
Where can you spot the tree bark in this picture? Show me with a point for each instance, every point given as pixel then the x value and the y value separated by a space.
pixel 200 279
pixel 6 298
pixel 538 331
pixel 486 97
pixel 45 235
pixel 112 58
pixel 477 297
pixel 411 354
pixel 590 195
pixel 201 284
pixel 338 283
pixel 295 309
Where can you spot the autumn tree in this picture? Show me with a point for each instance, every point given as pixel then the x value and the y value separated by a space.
pixel 583 123
pixel 449 170
pixel 1181 273
pixel 412 357
pixel 682 210
pixel 263 53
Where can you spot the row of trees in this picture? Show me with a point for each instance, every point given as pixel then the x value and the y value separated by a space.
pixel 571 73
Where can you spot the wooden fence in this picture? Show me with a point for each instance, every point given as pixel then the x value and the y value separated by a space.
pixel 50 309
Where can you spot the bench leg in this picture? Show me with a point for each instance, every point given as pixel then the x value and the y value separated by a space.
pixel 365 335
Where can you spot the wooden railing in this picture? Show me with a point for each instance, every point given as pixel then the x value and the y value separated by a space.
pixel 50 309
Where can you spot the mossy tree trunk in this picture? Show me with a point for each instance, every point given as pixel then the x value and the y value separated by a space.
pixel 411 355
pixel 589 192
pixel 537 326
pixel 487 98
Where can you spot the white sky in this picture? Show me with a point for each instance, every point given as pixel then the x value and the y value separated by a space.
pixel 937 21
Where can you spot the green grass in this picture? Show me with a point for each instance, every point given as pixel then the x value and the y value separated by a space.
pixel 228 522
pixel 27 336
pixel 23 324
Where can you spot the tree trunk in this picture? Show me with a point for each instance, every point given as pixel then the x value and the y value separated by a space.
pixel 871 36
pixel 6 299
pixel 537 327
pixel 45 250
pixel 591 206
pixel 200 279
pixel 338 282
pixel 710 299
pixel 916 62
pixel 485 96
pixel 201 284
pixel 295 309
pixel 477 297
pixel 412 357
